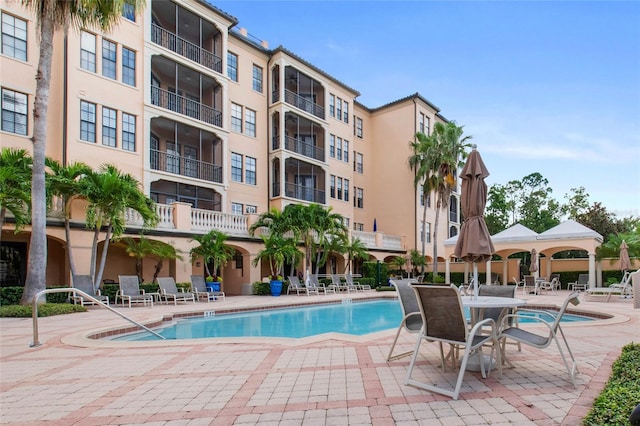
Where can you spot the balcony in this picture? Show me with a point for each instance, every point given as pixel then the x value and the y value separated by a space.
pixel 305 193
pixel 379 240
pixel 304 103
pixel 185 48
pixel 185 106
pixel 300 147
pixel 185 166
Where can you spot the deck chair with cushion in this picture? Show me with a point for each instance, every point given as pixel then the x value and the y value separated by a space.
pixel 84 283
pixel 622 289
pixel 531 285
pixel 540 340
pixel 314 283
pixel 359 286
pixel 296 285
pixel 337 283
pixel 199 289
pixel 169 291
pixel 130 291
pixel 411 318
pixel 444 322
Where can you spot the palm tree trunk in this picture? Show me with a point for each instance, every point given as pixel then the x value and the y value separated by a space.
pixel 435 240
pixel 103 260
pixel 424 230
pixel 67 233
pixel 2 216
pixel 37 262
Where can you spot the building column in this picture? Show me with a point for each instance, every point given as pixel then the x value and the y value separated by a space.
pixel 447 271
pixel 592 270
pixel 505 271
pixel 487 278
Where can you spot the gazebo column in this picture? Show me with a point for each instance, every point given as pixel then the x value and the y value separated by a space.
pixel 549 259
pixel 505 271
pixel 592 270
pixel 487 278
pixel 447 271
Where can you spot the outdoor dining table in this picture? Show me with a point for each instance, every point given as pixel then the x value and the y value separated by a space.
pixel 477 305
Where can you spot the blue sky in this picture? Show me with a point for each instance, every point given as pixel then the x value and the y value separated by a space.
pixel 542 86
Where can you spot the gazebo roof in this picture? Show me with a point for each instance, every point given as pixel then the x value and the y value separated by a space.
pixel 569 229
pixel 517 232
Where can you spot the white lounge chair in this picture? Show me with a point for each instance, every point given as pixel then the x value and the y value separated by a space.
pixel 130 291
pixel 296 285
pixel 622 289
pixel 199 288
pixel 411 319
pixel 169 291
pixel 314 283
pixel 84 283
pixel 359 286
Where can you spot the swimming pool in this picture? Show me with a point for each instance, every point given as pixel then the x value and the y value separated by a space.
pixel 348 318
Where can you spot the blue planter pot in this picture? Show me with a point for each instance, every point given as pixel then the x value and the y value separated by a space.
pixel 213 286
pixel 276 288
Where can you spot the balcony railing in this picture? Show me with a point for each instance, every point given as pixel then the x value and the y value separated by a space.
pixel 379 240
pixel 164 212
pixel 206 220
pixel 303 103
pixel 185 166
pixel 182 105
pixel 303 148
pixel 367 238
pixel 185 48
pixel 304 193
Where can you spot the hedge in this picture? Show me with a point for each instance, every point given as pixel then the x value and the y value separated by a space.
pixel 44 310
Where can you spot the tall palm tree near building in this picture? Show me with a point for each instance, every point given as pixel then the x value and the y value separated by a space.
pixel 143 247
pixel 65 182
pixel 53 15
pixel 435 160
pixel 212 249
pixel 15 189
pixel 355 249
pixel 110 194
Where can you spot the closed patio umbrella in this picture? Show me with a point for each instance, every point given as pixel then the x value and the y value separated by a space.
pixel 474 242
pixel 533 267
pixel 625 262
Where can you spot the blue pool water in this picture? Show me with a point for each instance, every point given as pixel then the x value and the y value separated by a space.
pixel 347 318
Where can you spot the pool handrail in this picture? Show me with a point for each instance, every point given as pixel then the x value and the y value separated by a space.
pixel 75 291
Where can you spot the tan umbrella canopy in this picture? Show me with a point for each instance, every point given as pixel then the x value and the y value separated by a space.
pixel 474 242
pixel 625 262
pixel 533 267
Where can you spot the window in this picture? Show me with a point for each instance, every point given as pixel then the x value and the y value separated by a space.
pixel 108 126
pixel 128 11
pixel 339 109
pixel 128 132
pixel 236 167
pixel 332 186
pixel 346 190
pixel 250 122
pixel 339 149
pixel 257 78
pixel 359 127
pixel 14 112
pixel 14 37
pixel 421 195
pixel 236 208
pixel 250 173
pixel 236 118
pixel 428 232
pixel 346 221
pixel 250 209
pixel 358 201
pixel 232 66
pixel 332 146
pixel 345 151
pixel 426 125
pixel 339 189
pixel 108 59
pixel 359 162
pixel 421 123
pixel 87 51
pixel 128 66
pixel 358 226
pixel 345 112
pixel 87 121
pixel 332 105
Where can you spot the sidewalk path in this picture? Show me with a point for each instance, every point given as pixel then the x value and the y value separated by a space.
pixel 70 380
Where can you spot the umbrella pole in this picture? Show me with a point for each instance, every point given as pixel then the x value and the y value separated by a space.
pixel 475 281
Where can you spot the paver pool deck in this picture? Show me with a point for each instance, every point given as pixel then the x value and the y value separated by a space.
pixel 329 380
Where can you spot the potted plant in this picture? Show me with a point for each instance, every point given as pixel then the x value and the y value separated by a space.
pixel 213 282
pixel 277 250
pixel 212 249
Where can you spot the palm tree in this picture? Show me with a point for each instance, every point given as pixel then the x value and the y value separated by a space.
pixel 435 160
pixel 15 191
pixel 65 182
pixel 212 249
pixel 110 194
pixel 355 249
pixel 144 247
pixel 53 15
pixel 277 251
pixel 417 260
pixel 399 262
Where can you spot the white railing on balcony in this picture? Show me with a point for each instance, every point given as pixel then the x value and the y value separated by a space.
pixel 391 242
pixel 165 217
pixel 367 238
pixel 206 220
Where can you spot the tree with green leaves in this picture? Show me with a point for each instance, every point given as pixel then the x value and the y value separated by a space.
pixel 65 182
pixel 355 249
pixel 417 261
pixel 143 247
pixel 276 252
pixel 110 194
pixel 435 160
pixel 399 262
pixel 496 214
pixel 15 190
pixel 51 16
pixel 212 249
pixel 611 248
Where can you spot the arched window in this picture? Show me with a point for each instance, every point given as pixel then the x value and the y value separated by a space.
pixel 453 209
pixel 453 231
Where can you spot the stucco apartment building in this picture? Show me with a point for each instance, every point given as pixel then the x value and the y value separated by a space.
pixel 218 127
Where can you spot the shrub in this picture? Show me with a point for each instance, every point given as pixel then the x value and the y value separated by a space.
pixel 621 393
pixel 264 289
pixel 12 295
pixel 44 310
